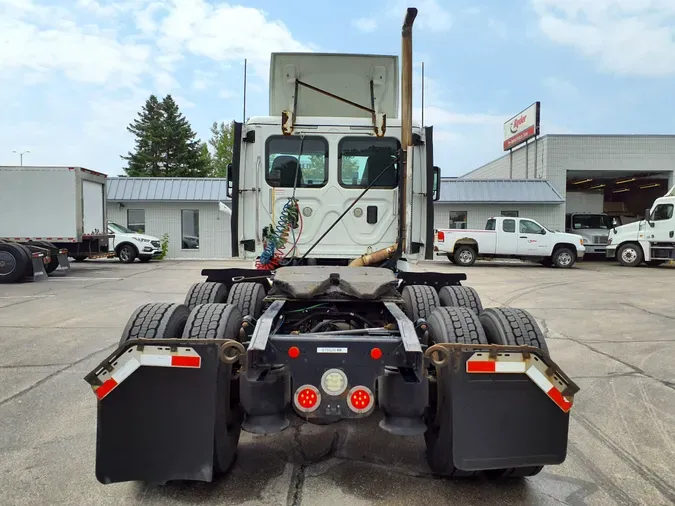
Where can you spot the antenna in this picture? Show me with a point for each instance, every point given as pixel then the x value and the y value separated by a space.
pixel 244 118
pixel 422 94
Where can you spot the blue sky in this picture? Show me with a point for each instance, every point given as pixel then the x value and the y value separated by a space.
pixel 73 74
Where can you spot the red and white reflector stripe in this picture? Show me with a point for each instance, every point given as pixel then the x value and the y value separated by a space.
pixel 534 368
pixel 151 356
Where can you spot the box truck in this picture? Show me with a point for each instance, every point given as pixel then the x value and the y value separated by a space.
pixel 55 212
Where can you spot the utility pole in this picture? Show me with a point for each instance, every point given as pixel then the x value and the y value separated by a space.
pixel 21 153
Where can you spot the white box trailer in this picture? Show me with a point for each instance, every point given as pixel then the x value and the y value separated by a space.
pixel 56 211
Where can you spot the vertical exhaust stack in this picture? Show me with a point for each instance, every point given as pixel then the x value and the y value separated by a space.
pixel 406 109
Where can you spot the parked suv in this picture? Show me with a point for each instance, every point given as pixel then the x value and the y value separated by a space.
pixel 129 245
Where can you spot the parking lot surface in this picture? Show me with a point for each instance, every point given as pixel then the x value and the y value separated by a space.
pixel 611 329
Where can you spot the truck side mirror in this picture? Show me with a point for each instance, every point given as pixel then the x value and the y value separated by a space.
pixel 229 180
pixel 648 216
pixel 437 183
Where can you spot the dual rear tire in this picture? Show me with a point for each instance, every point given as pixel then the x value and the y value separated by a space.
pixel 202 321
pixel 456 315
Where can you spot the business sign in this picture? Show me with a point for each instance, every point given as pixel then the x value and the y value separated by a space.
pixel 522 126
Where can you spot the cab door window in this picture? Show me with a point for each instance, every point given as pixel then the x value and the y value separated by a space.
pixel 282 169
pixel 529 227
pixel 362 159
pixel 663 212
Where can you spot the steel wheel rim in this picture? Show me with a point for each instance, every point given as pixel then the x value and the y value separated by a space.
pixel 629 255
pixel 465 256
pixel 7 263
pixel 564 258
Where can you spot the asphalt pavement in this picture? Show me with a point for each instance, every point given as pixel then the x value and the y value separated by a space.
pixel 609 328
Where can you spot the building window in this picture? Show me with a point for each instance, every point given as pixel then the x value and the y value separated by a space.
pixel 282 162
pixel 509 226
pixel 189 224
pixel 510 214
pixel 136 220
pixel 361 160
pixel 458 219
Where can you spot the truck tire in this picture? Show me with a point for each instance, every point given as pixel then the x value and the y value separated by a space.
pixel 460 296
pixel 221 321
pixel 465 255
pixel 563 258
pixel 419 301
pixel 447 325
pixel 206 293
pixel 451 258
pixel 248 297
pixel 28 254
pixel 156 321
pixel 630 254
pixel 13 263
pixel 127 253
pixel 516 327
pixel 511 326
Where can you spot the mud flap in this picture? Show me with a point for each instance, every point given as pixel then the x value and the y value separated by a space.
pixel 64 263
pixel 158 424
pixel 507 420
pixel 38 267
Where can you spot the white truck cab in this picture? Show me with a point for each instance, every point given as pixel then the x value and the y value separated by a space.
pixel 327 160
pixel 651 240
pixel 129 245
pixel 521 238
pixel 593 228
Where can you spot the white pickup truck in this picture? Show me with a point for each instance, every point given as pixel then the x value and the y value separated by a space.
pixel 521 238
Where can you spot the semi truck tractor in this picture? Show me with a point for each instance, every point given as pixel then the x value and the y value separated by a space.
pixel 651 240
pixel 332 204
pixel 57 212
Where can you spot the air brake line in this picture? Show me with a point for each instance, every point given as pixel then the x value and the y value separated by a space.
pixel 272 255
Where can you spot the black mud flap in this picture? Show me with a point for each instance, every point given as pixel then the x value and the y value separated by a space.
pixel 503 420
pixel 64 263
pixel 158 424
pixel 38 267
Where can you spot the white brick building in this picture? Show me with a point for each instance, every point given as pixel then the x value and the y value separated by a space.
pixel 630 170
pixel 187 209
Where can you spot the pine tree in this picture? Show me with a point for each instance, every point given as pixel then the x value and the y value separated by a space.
pixel 148 159
pixel 166 145
pixel 183 151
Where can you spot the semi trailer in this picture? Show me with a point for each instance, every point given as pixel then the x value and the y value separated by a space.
pixel 332 203
pixel 55 212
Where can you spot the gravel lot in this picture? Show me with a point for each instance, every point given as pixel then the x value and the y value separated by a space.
pixel 610 328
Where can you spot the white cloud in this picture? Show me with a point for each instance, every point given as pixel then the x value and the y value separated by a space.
pixel 626 37
pixel 79 74
pixel 366 25
pixel 431 16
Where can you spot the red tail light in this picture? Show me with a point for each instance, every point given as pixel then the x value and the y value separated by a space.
pixel 360 399
pixel 441 236
pixel 307 398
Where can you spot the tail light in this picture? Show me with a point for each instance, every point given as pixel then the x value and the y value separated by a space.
pixel 307 398
pixel 441 236
pixel 360 399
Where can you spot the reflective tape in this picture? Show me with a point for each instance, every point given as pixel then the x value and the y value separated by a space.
pixel 151 356
pixel 533 367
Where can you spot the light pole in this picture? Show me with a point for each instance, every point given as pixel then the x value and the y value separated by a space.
pixel 21 153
